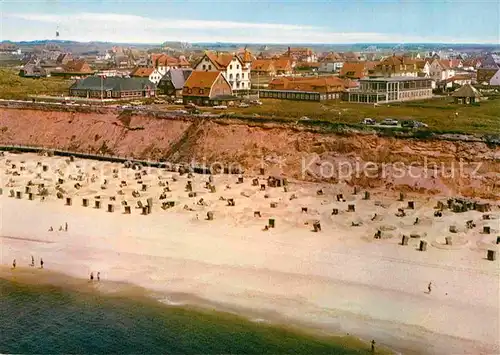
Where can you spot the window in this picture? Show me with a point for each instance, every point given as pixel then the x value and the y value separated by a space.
pixel 238 66
pixel 243 75
pixel 190 91
pixel 204 66
pixel 209 67
pixel 231 67
pixel 202 91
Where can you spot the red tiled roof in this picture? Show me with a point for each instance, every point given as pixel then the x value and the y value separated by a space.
pixel 355 70
pixel 221 60
pixel 76 66
pixel 322 84
pixel 397 60
pixel 266 65
pixel 161 59
pixel 282 64
pixel 142 72
pixel 200 80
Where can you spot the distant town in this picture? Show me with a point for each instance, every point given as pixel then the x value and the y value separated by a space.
pixel 241 76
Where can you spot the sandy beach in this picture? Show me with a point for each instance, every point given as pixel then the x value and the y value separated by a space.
pixel 339 279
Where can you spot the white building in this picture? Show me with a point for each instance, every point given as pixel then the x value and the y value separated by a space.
pixel 156 76
pixel 441 70
pixel 234 70
pixel 330 66
pixel 495 79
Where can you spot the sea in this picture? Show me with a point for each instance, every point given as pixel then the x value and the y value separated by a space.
pixel 43 319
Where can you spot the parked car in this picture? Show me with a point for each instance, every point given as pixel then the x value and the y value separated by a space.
pixel 181 111
pixel 369 121
pixel 136 103
pixel 243 105
pixel 190 105
pixel 178 102
pixel 304 118
pixel 220 107
pixel 256 102
pixel 389 122
pixel 160 101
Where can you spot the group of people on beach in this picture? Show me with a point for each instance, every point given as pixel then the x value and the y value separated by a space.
pixel 61 228
pixel 14 263
pixel 98 276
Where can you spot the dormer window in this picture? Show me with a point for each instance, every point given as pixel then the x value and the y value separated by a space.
pixel 202 91
pixel 190 91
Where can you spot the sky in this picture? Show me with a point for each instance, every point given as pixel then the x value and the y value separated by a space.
pixel 255 21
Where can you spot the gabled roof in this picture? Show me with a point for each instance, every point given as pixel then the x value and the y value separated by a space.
pixel 201 80
pixel 178 77
pixel 266 65
pixel 142 72
pixel 397 60
pixel 356 70
pixel 467 91
pixel 113 83
pixel 161 59
pixel 282 64
pixel 220 59
pixel 245 56
pixel 76 66
pixel 332 57
pixel 491 61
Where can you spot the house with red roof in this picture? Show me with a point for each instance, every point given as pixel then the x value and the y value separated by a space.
pixel 396 66
pixel 163 62
pixel 357 70
pixel 234 69
pixel 317 88
pixel 74 68
pixel 153 74
pixel 207 88
pixel 442 69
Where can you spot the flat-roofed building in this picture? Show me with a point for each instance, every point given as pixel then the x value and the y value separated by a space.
pixel 394 89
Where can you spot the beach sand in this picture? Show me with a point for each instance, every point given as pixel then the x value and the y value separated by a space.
pixel 339 280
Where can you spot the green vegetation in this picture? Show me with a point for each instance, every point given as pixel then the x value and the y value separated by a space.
pixel 12 86
pixel 439 114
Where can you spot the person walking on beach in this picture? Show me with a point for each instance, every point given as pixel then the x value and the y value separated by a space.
pixel 98 276
pixel 429 287
pixel 66 226
pixel 41 263
pixel 373 345
pixel 14 264
pixel 92 276
pixel 32 261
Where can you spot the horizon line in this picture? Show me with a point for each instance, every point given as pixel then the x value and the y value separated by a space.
pixel 257 43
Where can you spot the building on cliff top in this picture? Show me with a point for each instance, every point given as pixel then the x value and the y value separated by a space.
pixel 113 88
pixel 393 89
pixel 305 88
pixel 207 88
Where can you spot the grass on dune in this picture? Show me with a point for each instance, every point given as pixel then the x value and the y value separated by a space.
pixel 12 86
pixel 440 113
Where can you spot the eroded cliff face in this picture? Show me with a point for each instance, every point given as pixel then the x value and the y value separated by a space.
pixel 131 136
pixel 428 166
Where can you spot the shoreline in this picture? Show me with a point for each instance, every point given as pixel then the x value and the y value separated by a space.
pixel 339 280
pixel 39 278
